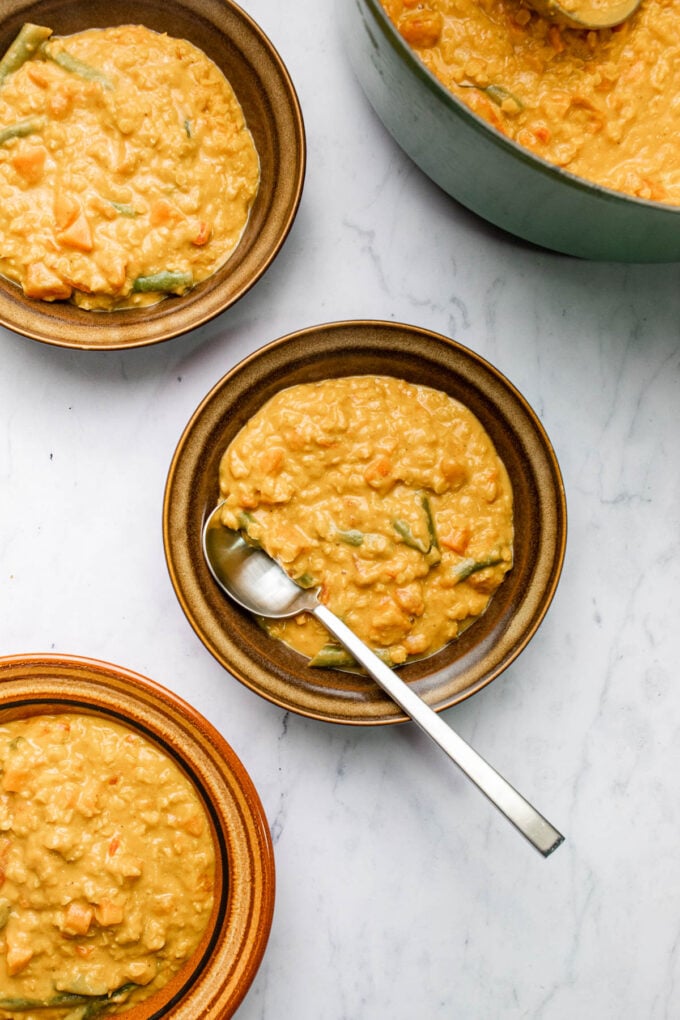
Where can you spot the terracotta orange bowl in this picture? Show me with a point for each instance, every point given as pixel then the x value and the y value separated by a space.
pixel 213 982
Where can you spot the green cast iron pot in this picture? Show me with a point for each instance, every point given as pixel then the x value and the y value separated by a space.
pixel 488 173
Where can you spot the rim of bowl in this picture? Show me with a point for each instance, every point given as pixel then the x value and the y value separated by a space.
pixel 444 95
pixel 272 677
pixel 170 317
pixel 215 979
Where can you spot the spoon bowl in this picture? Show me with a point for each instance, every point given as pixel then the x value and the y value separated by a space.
pixel 586 14
pixel 253 579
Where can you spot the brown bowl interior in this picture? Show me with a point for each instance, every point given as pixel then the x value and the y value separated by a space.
pixel 352 348
pixel 215 979
pixel 262 84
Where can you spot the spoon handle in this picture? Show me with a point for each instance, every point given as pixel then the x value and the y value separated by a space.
pixel 512 804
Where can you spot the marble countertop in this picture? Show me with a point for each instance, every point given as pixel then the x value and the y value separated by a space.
pixel 401 893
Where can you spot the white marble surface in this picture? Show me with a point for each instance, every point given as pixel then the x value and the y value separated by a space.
pixel 401 893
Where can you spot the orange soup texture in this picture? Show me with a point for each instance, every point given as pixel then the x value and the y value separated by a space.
pixel 127 171
pixel 388 495
pixel 601 104
pixel 107 868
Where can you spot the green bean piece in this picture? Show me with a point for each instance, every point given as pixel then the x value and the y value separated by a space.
pixel 166 282
pixel 97 1002
pixel 93 1009
pixel 351 537
pixel 332 657
pixel 60 999
pixel 336 657
pixel 467 567
pixel 123 208
pixel 429 517
pixel 187 127
pixel 498 94
pixel 403 529
pixel 21 129
pixel 244 520
pixel 24 47
pixel 306 580
pixel 69 63
pixel 433 554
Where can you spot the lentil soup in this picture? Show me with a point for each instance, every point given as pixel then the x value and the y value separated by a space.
pixel 388 495
pixel 127 170
pixel 106 868
pixel 600 104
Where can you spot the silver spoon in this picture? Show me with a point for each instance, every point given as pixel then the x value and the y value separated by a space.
pixel 586 14
pixel 257 582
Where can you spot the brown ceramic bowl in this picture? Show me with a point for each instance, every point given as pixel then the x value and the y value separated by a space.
pixel 215 979
pixel 353 348
pixel 263 87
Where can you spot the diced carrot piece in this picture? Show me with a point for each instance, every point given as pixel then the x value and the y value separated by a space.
pixel 29 162
pixel 203 235
pixel 113 267
pixel 421 28
pixel 78 235
pixel 100 205
pixel 17 958
pixel 416 644
pixel 458 540
pixel 66 209
pixel 193 824
pixel 37 74
pixel 108 913
pixel 59 102
pixel 162 212
pixel 5 845
pixel 556 39
pixel 14 779
pixel 116 272
pixel 651 189
pixel 129 866
pixel 271 461
pixel 77 919
pixel 41 282
pixel 378 470
pixel 454 470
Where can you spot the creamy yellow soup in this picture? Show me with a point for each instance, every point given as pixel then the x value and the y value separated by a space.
pixel 601 104
pixel 389 496
pixel 106 868
pixel 127 170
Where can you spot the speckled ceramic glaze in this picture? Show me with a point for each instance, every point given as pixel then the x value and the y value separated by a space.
pixel 264 89
pixel 489 173
pixel 353 348
pixel 214 981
